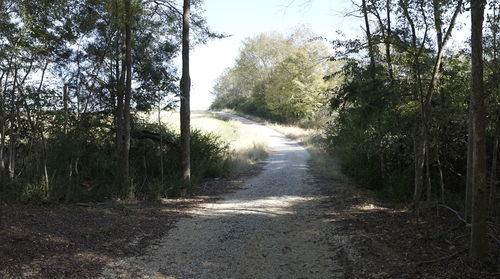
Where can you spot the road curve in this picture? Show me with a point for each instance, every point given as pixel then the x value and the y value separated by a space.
pixel 271 228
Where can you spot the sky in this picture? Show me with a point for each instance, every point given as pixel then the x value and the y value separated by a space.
pixel 244 18
pixel 248 18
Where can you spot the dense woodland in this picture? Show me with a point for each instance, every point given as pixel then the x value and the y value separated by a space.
pixel 74 77
pixel 413 112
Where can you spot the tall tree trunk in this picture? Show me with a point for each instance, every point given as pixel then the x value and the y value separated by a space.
pixel 428 177
pixel 470 170
pixel 479 242
pixel 125 148
pixel 65 108
pixel 161 143
pixel 419 139
pixel 120 121
pixel 441 178
pixel 420 152
pixel 3 87
pixel 13 127
pixel 494 169
pixel 388 40
pixel 185 87
pixel 436 71
pixel 371 52
pixel 425 97
pixel 386 32
pixel 3 90
pixel 496 137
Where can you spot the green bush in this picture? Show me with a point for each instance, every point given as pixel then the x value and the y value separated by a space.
pixel 81 164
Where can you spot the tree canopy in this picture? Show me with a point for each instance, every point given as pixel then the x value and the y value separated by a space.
pixel 279 76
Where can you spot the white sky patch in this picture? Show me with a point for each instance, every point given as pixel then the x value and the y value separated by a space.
pixel 242 19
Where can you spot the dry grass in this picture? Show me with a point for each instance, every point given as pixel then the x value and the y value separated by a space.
pixel 312 139
pixel 247 147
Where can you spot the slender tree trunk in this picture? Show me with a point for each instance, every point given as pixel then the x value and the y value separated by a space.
pixel 2 120
pixel 425 97
pixel 41 133
pixel 428 177
pixel 420 151
pixel 123 116
pixel 470 170
pixel 371 53
pixel 419 140
pixel 120 124
pixel 185 87
pixel 427 101
pixel 441 178
pixel 496 77
pixel 437 5
pixel 65 108
pixel 13 129
pixel 494 168
pixel 386 33
pixel 161 143
pixel 3 89
pixel 479 242
pixel 388 40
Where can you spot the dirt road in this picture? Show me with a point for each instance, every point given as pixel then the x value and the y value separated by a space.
pixel 272 228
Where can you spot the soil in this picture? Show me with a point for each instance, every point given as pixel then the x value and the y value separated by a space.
pixel 79 240
pixel 391 242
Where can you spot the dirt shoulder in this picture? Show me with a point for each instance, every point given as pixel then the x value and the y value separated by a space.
pixel 77 241
pixel 385 240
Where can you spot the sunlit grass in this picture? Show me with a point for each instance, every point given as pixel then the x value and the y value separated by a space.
pixel 311 139
pixel 248 148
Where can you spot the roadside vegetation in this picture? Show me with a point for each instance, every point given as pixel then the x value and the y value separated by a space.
pixel 313 139
pixel 245 148
pixel 70 121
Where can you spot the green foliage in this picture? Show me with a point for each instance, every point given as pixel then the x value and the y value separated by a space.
pixel 61 77
pixel 81 165
pixel 373 132
pixel 396 110
pixel 277 77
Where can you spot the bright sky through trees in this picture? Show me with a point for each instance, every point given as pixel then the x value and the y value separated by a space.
pixel 242 19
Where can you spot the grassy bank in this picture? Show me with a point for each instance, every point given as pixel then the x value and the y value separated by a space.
pixel 246 148
pixel 310 138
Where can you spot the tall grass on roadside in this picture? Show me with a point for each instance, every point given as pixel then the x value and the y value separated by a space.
pixel 246 147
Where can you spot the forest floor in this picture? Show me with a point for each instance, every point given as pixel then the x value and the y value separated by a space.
pixel 305 226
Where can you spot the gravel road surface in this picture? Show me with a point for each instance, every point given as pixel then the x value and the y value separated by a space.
pixel 274 227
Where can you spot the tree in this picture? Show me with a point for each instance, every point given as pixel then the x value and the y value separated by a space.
pixel 492 89
pixel 369 39
pixel 185 87
pixel 393 127
pixel 279 77
pixel 104 60
pixel 479 242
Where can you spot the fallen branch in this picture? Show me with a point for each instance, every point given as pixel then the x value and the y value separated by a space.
pixel 165 138
pixel 454 211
